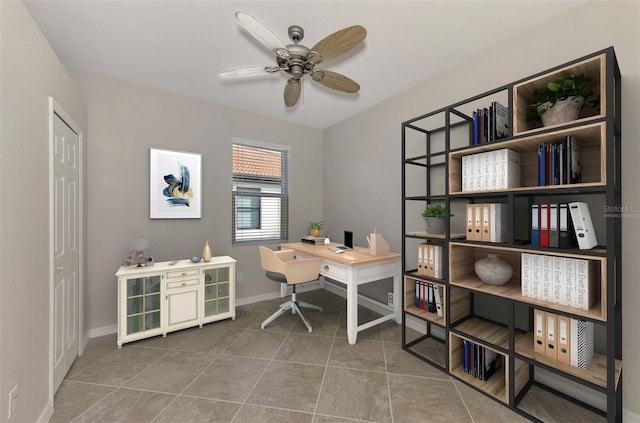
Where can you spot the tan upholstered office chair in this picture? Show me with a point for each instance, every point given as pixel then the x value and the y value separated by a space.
pixel 282 266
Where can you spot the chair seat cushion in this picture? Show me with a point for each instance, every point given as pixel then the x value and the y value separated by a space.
pixel 278 277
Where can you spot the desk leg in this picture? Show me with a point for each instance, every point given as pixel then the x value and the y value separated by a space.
pixel 352 313
pixel 397 298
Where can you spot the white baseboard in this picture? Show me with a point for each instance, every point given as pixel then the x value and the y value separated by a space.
pixel 629 416
pixel 46 414
pixel 312 286
pixel 104 330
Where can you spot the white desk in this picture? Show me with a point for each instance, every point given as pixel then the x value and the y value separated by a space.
pixel 353 268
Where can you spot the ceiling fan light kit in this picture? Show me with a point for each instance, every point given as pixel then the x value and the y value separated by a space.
pixel 297 60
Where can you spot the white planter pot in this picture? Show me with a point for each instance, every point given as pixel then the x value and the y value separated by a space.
pixel 563 111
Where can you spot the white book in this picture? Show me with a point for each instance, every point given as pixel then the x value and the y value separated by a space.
pixel 508 169
pixel 493 173
pixel 584 294
pixel 525 274
pixel 569 297
pixel 465 173
pixel 557 281
pixel 547 269
pixel 472 172
pixel 486 170
pixel 536 276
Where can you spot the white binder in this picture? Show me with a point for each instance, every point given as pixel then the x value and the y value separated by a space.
pixel 583 225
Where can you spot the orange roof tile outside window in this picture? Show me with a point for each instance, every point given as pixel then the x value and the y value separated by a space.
pixel 256 161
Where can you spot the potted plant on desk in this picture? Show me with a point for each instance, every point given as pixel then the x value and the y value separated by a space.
pixel 435 218
pixel 315 228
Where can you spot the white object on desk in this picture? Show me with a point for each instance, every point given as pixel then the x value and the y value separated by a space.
pixel 377 245
pixel 174 295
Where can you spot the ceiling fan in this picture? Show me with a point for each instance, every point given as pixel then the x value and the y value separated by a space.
pixel 298 60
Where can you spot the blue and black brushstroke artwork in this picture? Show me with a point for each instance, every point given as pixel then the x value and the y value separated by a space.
pixel 178 191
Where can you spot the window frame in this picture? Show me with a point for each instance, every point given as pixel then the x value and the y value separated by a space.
pixel 253 181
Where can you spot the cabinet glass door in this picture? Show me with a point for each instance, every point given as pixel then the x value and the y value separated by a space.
pixel 143 304
pixel 216 291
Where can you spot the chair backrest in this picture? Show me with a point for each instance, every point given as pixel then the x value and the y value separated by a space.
pixel 295 271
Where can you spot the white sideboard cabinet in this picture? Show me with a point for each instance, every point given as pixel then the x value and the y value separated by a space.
pixel 172 295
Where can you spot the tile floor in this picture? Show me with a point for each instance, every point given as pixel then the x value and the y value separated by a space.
pixel 233 372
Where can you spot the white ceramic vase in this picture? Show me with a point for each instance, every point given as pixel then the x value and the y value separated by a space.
pixel 563 111
pixel 493 270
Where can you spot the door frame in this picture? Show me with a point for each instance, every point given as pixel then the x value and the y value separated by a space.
pixel 57 109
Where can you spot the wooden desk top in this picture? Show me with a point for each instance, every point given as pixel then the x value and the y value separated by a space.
pixel 357 256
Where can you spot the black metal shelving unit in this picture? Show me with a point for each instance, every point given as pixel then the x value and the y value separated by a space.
pixel 432 147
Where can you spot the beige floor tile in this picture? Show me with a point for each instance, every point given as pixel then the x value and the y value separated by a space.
pixel 400 362
pixel 556 409
pixel 257 414
pixel 244 319
pixel 330 419
pixel 73 399
pixel 364 355
pixel 322 323
pixel 211 339
pixel 127 406
pixel 228 378
pixel 418 399
pixel 304 348
pixel 283 323
pixel 256 343
pixel 484 410
pixel 288 385
pixel 198 410
pixel 355 394
pixel 173 372
pixel 121 366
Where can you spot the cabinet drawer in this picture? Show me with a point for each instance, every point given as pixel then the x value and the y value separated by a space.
pixel 333 270
pixel 183 284
pixel 175 274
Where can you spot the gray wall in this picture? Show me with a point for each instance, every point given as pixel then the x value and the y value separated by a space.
pixel 126 120
pixel 29 74
pixel 366 148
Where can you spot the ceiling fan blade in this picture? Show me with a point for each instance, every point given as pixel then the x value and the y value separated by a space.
pixel 292 92
pixel 335 80
pixel 246 72
pixel 339 42
pixel 263 34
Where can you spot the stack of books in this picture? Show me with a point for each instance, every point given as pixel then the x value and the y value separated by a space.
pixel 479 361
pixel 559 163
pixel 491 170
pixel 313 239
pixel 566 281
pixel 490 123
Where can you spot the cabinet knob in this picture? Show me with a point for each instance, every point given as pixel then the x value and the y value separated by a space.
pixel 184 274
pixel 326 267
pixel 184 283
pixel 60 269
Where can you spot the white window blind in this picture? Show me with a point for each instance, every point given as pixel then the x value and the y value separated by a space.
pixel 259 194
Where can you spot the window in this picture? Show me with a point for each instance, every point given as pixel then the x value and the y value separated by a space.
pixel 260 193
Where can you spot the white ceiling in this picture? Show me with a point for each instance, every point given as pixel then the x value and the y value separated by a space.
pixel 181 46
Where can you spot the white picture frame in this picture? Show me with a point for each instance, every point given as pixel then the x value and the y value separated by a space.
pixel 175 184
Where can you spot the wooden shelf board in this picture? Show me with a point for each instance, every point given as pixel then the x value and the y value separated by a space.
pixel 439 236
pixel 512 290
pixel 563 253
pixel 423 314
pixel 595 373
pixel 530 188
pixel 486 331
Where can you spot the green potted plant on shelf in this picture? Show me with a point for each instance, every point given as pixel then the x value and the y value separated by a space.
pixel 315 228
pixel 562 99
pixel 435 218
